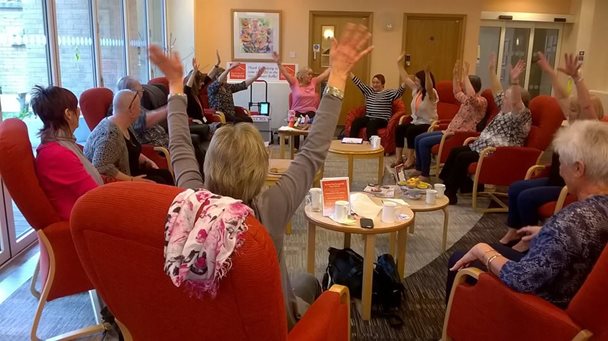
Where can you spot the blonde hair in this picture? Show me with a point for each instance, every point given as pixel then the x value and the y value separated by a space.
pixel 595 102
pixel 236 163
pixel 303 72
pixel 585 141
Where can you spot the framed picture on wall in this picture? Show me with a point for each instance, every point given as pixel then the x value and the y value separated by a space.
pixel 255 34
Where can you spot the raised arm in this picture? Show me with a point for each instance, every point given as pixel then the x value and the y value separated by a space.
pixel 257 75
pixel 365 89
pixel 456 79
pixel 428 81
pixel 405 78
pixel 216 68
pixel 224 75
pixel 290 79
pixel 195 67
pixel 560 91
pixel 517 104
pixel 323 76
pixel 185 166
pixel 572 69
pixel 468 87
pixel 496 86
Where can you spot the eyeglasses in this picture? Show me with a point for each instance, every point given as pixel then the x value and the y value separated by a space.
pixel 137 92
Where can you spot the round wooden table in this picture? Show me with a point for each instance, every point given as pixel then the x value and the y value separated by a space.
pixel 420 205
pixel 361 151
pixel 369 235
pixel 286 131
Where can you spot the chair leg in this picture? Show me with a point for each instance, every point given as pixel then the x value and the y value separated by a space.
pixel 48 284
pixel 33 289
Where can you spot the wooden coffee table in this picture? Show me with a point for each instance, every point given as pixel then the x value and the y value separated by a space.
pixel 361 151
pixel 399 227
pixel 420 205
pixel 286 131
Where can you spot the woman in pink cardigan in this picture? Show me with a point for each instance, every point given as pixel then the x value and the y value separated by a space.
pixel 63 171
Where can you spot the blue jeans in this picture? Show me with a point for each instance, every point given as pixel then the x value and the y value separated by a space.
pixel 423 144
pixel 525 197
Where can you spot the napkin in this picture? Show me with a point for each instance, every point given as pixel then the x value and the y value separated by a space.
pixel 364 206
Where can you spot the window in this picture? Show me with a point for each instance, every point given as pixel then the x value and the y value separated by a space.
pixel 111 41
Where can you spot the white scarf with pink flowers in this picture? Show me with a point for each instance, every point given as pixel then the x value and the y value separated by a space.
pixel 202 232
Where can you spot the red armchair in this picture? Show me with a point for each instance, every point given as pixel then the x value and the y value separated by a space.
pixel 94 105
pixel 502 166
pixel 122 252
pixel 489 310
pixel 387 134
pixel 549 209
pixel 59 269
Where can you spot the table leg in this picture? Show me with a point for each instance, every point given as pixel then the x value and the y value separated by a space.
pixel 350 169
pixel 368 271
pixel 445 228
pixel 291 148
pixel 310 265
pixel 380 168
pixel 401 250
pixel 413 224
pixel 346 240
pixel 281 146
pixel 392 239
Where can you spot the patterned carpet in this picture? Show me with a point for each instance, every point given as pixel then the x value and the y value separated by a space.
pixel 423 309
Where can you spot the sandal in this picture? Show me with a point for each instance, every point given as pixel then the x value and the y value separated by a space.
pixel 397 163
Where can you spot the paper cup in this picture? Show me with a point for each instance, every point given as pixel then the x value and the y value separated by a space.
pixel 315 195
pixel 431 196
pixel 440 188
pixel 341 210
pixel 375 141
pixel 388 212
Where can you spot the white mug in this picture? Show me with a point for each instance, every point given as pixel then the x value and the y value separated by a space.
pixel 431 196
pixel 388 212
pixel 314 197
pixel 375 141
pixel 440 188
pixel 341 210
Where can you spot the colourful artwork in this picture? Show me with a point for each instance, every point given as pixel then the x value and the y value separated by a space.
pixel 255 35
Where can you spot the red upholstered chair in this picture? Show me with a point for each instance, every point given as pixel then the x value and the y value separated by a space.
pixel 387 134
pixel 122 252
pixel 549 209
pixel 489 310
pixel 502 166
pixel 59 268
pixel 94 105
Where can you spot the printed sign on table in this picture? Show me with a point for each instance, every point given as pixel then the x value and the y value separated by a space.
pixel 334 189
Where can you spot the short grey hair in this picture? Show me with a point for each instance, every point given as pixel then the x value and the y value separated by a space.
pixel 236 162
pixel 129 83
pixel 585 141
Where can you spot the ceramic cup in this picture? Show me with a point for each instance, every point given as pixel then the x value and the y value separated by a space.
pixel 314 197
pixel 388 211
pixel 341 210
pixel 440 188
pixel 375 141
pixel 431 196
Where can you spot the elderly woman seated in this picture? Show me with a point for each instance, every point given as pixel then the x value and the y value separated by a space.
pixel 113 148
pixel 563 251
pixel 242 145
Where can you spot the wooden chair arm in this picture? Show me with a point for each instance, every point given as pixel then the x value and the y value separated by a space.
pixel 561 199
pixel 534 171
pixel 469 140
pixel 165 153
pixel 461 277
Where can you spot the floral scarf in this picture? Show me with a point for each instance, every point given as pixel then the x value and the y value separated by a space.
pixel 202 232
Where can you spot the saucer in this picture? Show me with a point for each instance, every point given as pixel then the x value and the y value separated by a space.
pixel 346 221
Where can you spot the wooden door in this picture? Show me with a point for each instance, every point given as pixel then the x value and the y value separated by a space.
pixel 434 39
pixel 322 23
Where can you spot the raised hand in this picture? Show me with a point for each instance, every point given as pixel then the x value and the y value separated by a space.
pixel 492 62
pixel 234 65
pixel 466 68
pixel 217 55
pixel 543 63
pixel 517 70
pixel 457 68
pixel 195 64
pixel 260 72
pixel 572 66
pixel 349 49
pixel 427 68
pixel 170 64
pixel 276 58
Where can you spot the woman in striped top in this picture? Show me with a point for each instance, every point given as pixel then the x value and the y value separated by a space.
pixel 378 105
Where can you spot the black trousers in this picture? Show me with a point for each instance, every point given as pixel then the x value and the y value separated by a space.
pixel 372 125
pixel 160 176
pixel 454 173
pixel 409 131
pixel 507 252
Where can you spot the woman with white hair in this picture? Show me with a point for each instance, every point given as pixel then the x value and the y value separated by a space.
pixel 237 161
pixel 563 251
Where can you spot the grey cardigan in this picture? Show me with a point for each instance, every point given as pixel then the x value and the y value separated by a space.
pixel 275 206
pixel 107 150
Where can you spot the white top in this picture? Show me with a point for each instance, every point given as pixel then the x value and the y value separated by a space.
pixel 424 111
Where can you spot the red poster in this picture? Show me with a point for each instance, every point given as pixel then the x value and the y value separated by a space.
pixel 334 189
pixel 240 72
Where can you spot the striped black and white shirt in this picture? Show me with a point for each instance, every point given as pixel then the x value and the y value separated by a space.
pixel 378 104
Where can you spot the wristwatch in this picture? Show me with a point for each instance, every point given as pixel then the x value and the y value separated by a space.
pixel 333 91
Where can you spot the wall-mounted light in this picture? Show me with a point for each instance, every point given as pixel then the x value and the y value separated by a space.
pixel 328 31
